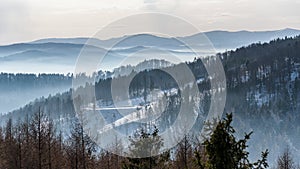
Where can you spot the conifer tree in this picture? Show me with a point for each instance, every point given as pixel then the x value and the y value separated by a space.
pixel 226 152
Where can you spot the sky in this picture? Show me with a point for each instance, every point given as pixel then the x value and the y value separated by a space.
pixel 27 20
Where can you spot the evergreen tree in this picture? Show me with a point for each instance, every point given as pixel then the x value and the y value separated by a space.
pixel 225 152
pixel 146 144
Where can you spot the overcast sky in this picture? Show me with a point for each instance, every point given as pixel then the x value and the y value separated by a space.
pixel 26 20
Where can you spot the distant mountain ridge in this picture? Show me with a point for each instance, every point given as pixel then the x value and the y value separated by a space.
pixel 232 40
pixel 55 55
pixel 218 38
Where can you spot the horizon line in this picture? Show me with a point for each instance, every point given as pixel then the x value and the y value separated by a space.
pixel 204 32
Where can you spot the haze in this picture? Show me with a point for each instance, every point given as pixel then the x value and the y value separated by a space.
pixel 27 20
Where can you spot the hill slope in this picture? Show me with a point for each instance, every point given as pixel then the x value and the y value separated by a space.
pixel 263 92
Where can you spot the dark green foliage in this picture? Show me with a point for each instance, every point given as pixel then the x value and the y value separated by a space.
pixel 145 145
pixel 225 152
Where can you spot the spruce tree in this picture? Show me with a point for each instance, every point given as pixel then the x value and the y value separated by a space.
pixel 224 151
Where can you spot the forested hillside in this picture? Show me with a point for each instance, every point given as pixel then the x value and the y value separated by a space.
pixel 18 89
pixel 262 92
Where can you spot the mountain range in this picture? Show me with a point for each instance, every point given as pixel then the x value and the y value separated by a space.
pixel 59 55
pixel 263 82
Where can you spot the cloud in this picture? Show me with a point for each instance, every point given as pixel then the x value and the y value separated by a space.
pixel 150 1
pixel 24 20
pixel 13 20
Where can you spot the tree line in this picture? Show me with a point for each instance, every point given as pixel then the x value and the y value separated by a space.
pixel 35 144
pixel 255 59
